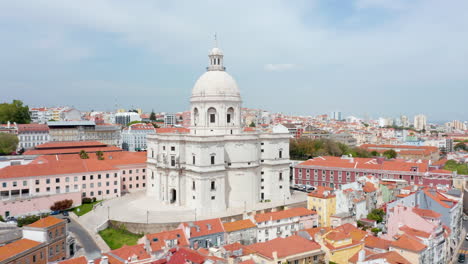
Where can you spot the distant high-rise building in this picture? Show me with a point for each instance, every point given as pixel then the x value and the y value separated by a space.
pixel 123 118
pixel 169 120
pixel 404 121
pixel 420 122
pixel 336 115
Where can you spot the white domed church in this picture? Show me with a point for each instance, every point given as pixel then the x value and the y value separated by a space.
pixel 217 165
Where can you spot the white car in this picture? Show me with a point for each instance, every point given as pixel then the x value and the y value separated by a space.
pixel 466 238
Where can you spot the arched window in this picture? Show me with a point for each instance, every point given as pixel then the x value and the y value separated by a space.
pixel 230 115
pixel 212 115
pixel 195 116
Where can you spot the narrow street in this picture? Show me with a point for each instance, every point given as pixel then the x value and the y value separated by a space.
pixel 84 240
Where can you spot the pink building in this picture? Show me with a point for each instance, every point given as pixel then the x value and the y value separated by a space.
pixel 335 171
pixel 49 176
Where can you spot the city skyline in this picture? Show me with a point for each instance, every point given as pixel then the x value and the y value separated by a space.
pixel 383 58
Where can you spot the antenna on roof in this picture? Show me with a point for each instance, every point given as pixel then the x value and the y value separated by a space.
pixel 215 40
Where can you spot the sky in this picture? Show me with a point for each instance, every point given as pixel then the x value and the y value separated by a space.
pixel 361 57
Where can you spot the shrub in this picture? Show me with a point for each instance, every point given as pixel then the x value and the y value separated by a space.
pixel 86 200
pixel 61 205
pixel 26 220
pixel 94 199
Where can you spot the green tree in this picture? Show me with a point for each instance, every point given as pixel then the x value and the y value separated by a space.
pixel 374 153
pixel 460 168
pixel 14 112
pixel 134 122
pixel 100 155
pixel 390 154
pixel 8 143
pixel 84 155
pixel 460 146
pixel 152 116
pixel 377 215
pixel 252 124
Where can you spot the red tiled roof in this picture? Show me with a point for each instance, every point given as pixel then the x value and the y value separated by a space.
pixel 322 192
pixel 78 260
pixel 205 227
pixel 426 213
pixel 376 242
pixel 238 246
pixel 238 225
pixel 46 222
pixel 288 213
pixel 284 246
pixel 69 150
pixel 439 198
pixel 55 168
pixel 408 243
pixel 127 252
pixel 369 187
pixel 157 241
pixel 70 144
pixel 414 232
pixel 336 236
pixel 313 231
pixel 32 128
pixel 10 250
pixel 186 255
pixel 392 257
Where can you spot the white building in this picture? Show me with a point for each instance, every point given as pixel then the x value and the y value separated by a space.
pixel 31 135
pixel 170 120
pixel 134 136
pixel 124 118
pixel 217 165
pixel 420 122
pixel 40 115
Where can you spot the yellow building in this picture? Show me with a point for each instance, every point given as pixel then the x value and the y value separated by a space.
pixel 340 247
pixel 323 201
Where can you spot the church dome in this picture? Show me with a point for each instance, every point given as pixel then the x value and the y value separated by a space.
pixel 216 51
pixel 215 83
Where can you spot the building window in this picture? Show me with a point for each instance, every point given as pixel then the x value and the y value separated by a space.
pixel 37 182
pixel 172 148
pixel 84 178
pixel 172 161
pixel 212 160
pixel 280 176
pixel 91 177
pixel 193 185
pixel 213 186
pixel 193 159
pixel 212 197
pixel 48 181
pixel 280 154
pixel 228 118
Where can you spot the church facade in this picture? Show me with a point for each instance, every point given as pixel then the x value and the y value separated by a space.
pixel 218 165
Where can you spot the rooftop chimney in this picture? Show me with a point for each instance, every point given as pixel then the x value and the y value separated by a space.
pixel 104 260
pixel 362 255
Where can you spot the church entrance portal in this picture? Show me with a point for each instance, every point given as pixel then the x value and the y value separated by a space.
pixel 173 196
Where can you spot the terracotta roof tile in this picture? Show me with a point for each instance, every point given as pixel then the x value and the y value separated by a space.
pixel 205 227
pixel 46 222
pixel 426 213
pixel 288 213
pixel 78 260
pixel 157 241
pixel 284 246
pixel 127 252
pixel 238 225
pixel 392 257
pixel 9 250
pixel 376 242
pixel 408 243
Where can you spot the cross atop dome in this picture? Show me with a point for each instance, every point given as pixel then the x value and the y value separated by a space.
pixel 216 58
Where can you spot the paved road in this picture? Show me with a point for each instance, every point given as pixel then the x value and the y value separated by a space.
pixel 92 251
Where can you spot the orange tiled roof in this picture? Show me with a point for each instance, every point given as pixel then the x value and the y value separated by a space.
pixel 322 192
pixel 172 130
pixel 46 222
pixel 408 243
pixel 439 198
pixel 70 144
pixel 70 150
pixel 126 252
pixel 336 235
pixel 238 246
pixel 288 213
pixel 284 247
pixel 392 257
pixel 376 242
pixel 369 187
pixel 426 213
pixel 78 260
pixel 157 241
pixel 205 227
pixel 10 250
pixel 313 231
pixel 414 232
pixel 238 225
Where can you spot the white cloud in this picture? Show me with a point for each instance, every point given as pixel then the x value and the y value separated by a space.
pixel 279 67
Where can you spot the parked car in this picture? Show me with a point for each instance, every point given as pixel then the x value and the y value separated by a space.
pixel 466 238
pixel 11 220
pixel 55 213
pixel 465 217
pixel 68 219
pixel 461 258
pixel 65 213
